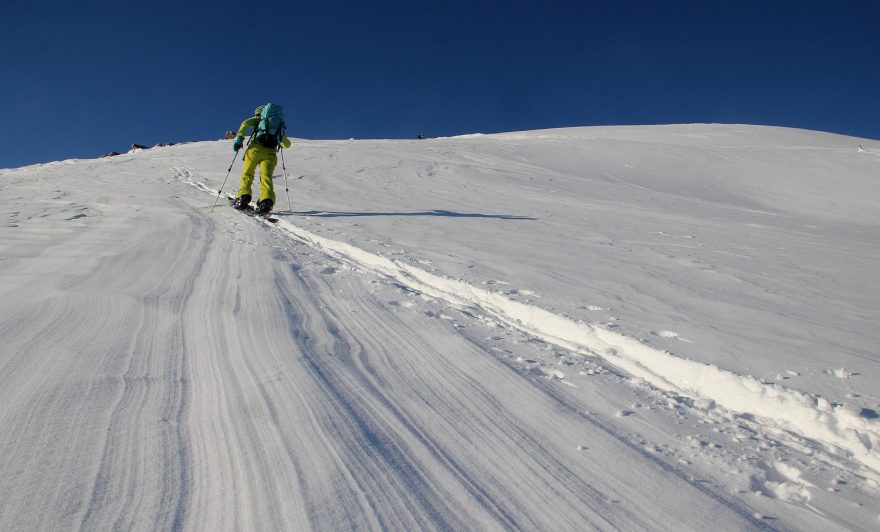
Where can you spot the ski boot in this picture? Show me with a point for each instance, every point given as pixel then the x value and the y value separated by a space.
pixel 242 203
pixel 264 207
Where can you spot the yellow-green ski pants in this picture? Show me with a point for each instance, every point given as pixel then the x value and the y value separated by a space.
pixel 265 158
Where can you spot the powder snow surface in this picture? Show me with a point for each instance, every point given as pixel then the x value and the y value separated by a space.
pixel 627 328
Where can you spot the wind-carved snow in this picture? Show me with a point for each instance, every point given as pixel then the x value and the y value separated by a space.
pixel 596 328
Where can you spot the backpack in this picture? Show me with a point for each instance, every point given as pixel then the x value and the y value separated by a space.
pixel 271 128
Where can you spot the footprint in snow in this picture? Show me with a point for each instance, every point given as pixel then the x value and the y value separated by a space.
pixel 670 335
pixel 778 480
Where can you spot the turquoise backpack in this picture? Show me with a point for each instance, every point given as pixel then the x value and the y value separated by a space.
pixel 270 130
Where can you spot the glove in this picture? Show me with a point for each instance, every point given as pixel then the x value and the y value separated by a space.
pixel 237 144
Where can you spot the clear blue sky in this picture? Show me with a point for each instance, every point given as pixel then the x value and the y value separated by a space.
pixel 84 78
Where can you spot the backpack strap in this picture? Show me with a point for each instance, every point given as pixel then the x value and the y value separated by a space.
pixel 280 135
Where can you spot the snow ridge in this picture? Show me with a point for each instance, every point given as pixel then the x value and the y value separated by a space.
pixel 811 417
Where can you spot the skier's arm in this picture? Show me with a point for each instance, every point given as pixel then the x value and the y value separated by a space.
pixel 249 123
pixel 286 142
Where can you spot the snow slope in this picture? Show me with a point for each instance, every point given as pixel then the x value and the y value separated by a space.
pixel 666 327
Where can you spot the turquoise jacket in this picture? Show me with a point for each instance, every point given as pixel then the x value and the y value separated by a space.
pixel 253 122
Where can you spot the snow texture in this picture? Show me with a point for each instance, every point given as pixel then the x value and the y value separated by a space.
pixel 665 327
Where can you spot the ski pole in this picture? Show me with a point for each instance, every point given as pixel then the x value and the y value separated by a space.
pixel 284 168
pixel 224 181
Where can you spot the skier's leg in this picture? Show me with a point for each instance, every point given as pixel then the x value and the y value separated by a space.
pixel 267 169
pixel 247 175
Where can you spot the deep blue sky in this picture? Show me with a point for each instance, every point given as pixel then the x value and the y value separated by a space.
pixel 83 78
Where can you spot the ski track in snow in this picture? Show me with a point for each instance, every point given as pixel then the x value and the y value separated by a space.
pixel 411 455
pixel 837 429
pixel 168 369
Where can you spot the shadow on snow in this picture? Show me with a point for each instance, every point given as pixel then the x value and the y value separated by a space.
pixel 448 214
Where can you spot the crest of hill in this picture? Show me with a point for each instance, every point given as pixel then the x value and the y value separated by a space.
pixel 774 170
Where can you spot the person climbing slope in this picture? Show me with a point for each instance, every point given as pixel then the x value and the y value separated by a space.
pixel 267 138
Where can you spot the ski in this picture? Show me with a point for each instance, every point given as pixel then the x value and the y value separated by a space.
pixel 250 211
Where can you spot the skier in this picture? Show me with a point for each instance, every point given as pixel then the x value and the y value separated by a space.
pixel 260 152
